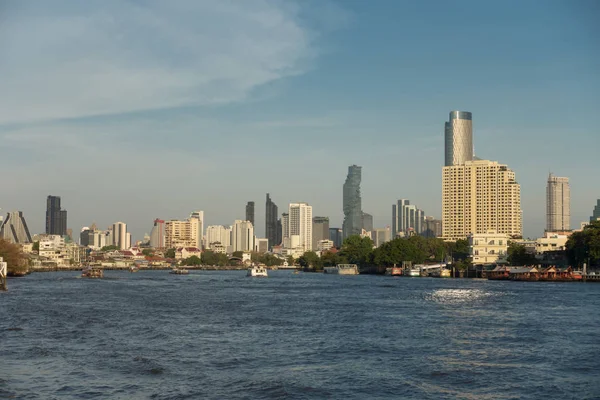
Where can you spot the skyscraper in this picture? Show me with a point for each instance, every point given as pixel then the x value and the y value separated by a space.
pixel 157 235
pixel 458 137
pixel 14 228
pixel 242 236
pixel 300 226
pixel 320 230
pixel 120 237
pixel 335 235
pixel 218 234
pixel 479 196
pixel 596 213
pixel 380 236
pixel 407 219
pixel 367 222
pixel 56 218
pixel 558 204
pixel 352 206
pixel 199 215
pixel 250 212
pixel 272 228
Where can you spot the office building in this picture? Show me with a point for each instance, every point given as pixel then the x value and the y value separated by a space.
pixel 299 223
pixel 272 223
pixel 84 236
pixel 250 212
pixel 596 213
pixel 14 228
pixel 199 216
pixel 242 236
pixel 285 226
pixel 261 245
pixel 335 235
pixel 320 230
pixel 56 217
pixel 367 222
pixel 432 227
pixel 120 236
pixel 352 204
pixel 458 136
pixel 407 219
pixel 479 196
pixel 558 204
pixel 157 234
pixel 381 235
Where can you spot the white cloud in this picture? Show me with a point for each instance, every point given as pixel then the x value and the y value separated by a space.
pixel 75 59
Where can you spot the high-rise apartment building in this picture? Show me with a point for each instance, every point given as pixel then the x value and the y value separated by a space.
pixel 320 230
pixel 14 228
pixel 250 212
pixel 285 226
pixel 432 228
pixel 182 233
pixel 407 219
pixel 157 235
pixel 335 235
pixel 56 218
pixel 352 204
pixel 299 227
pixel 367 222
pixel 199 216
pixel 596 212
pixel 458 136
pixel 218 234
pixel 558 204
pixel 381 235
pixel 272 227
pixel 120 237
pixel 479 196
pixel 242 236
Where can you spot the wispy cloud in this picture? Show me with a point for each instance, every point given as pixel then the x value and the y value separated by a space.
pixel 71 59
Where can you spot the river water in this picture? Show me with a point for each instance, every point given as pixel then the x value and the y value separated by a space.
pixel 221 335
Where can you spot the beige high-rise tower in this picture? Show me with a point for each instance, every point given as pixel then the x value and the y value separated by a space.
pixel 558 204
pixel 479 196
pixel 458 137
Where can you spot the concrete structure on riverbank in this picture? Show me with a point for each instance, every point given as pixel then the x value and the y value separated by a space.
pixel 14 228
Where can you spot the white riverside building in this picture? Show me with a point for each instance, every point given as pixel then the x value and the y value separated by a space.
pixel 218 234
pixel 299 221
pixel 242 236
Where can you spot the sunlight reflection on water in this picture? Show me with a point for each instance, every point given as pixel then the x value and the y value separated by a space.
pixel 456 296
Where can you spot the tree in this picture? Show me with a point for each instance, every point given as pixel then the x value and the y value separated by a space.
pixel 148 252
pixel 192 260
pixel 310 260
pixel 15 259
pixel 238 254
pixel 331 259
pixel 518 255
pixel 357 250
pixel 170 253
pixel 36 246
pixel 112 247
pixel 290 260
pixel 459 250
pixel 584 246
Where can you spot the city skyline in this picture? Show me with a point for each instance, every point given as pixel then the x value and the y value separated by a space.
pixel 533 109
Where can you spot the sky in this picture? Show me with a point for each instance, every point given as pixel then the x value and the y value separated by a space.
pixel 135 110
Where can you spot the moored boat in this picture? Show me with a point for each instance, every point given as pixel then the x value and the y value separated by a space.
pixel 396 271
pixel 342 269
pixel 257 271
pixel 90 272
pixel 179 271
pixel 413 272
pixel 134 268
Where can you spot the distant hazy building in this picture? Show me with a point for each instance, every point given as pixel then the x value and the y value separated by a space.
pixel 242 236
pixel 14 228
pixel 261 245
pixel 285 226
pixel 56 217
pixel 182 233
pixel 479 196
pixel 407 219
pixel 596 212
pixel 335 235
pixel 300 226
pixel 458 136
pixel 488 248
pixel 381 235
pixel 250 212
pixel 324 245
pixel 84 236
pixel 352 204
pixel 199 216
pixel 121 238
pixel 272 223
pixel 320 230
pixel 432 227
pixel 367 222
pixel 218 234
pixel 157 234
pixel 558 204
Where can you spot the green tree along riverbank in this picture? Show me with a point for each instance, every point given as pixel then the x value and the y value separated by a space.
pixel 17 262
pixel 584 247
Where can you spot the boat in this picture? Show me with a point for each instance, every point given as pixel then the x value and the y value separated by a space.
pixel 134 268
pixel 445 273
pixel 396 271
pixel 257 271
pixel 179 271
pixel 413 272
pixel 342 269
pixel 90 272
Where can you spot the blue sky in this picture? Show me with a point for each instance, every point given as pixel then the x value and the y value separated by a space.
pixel 133 110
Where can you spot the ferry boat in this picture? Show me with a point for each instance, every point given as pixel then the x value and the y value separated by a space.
pixel 179 271
pixel 342 269
pixel 257 271
pixel 90 272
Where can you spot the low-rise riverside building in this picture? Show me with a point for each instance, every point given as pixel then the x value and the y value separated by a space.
pixel 182 253
pixel 488 248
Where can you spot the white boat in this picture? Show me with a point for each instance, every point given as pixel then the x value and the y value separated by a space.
pixel 414 272
pixel 257 271
pixel 342 269
pixel 179 271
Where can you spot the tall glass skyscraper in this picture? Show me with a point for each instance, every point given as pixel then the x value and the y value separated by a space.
pixel 272 225
pixel 458 137
pixel 56 218
pixel 596 212
pixel 250 212
pixel 352 202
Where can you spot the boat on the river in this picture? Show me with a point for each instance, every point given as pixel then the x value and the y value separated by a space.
pixel 413 272
pixel 134 268
pixel 342 269
pixel 257 271
pixel 396 271
pixel 90 272
pixel 179 271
